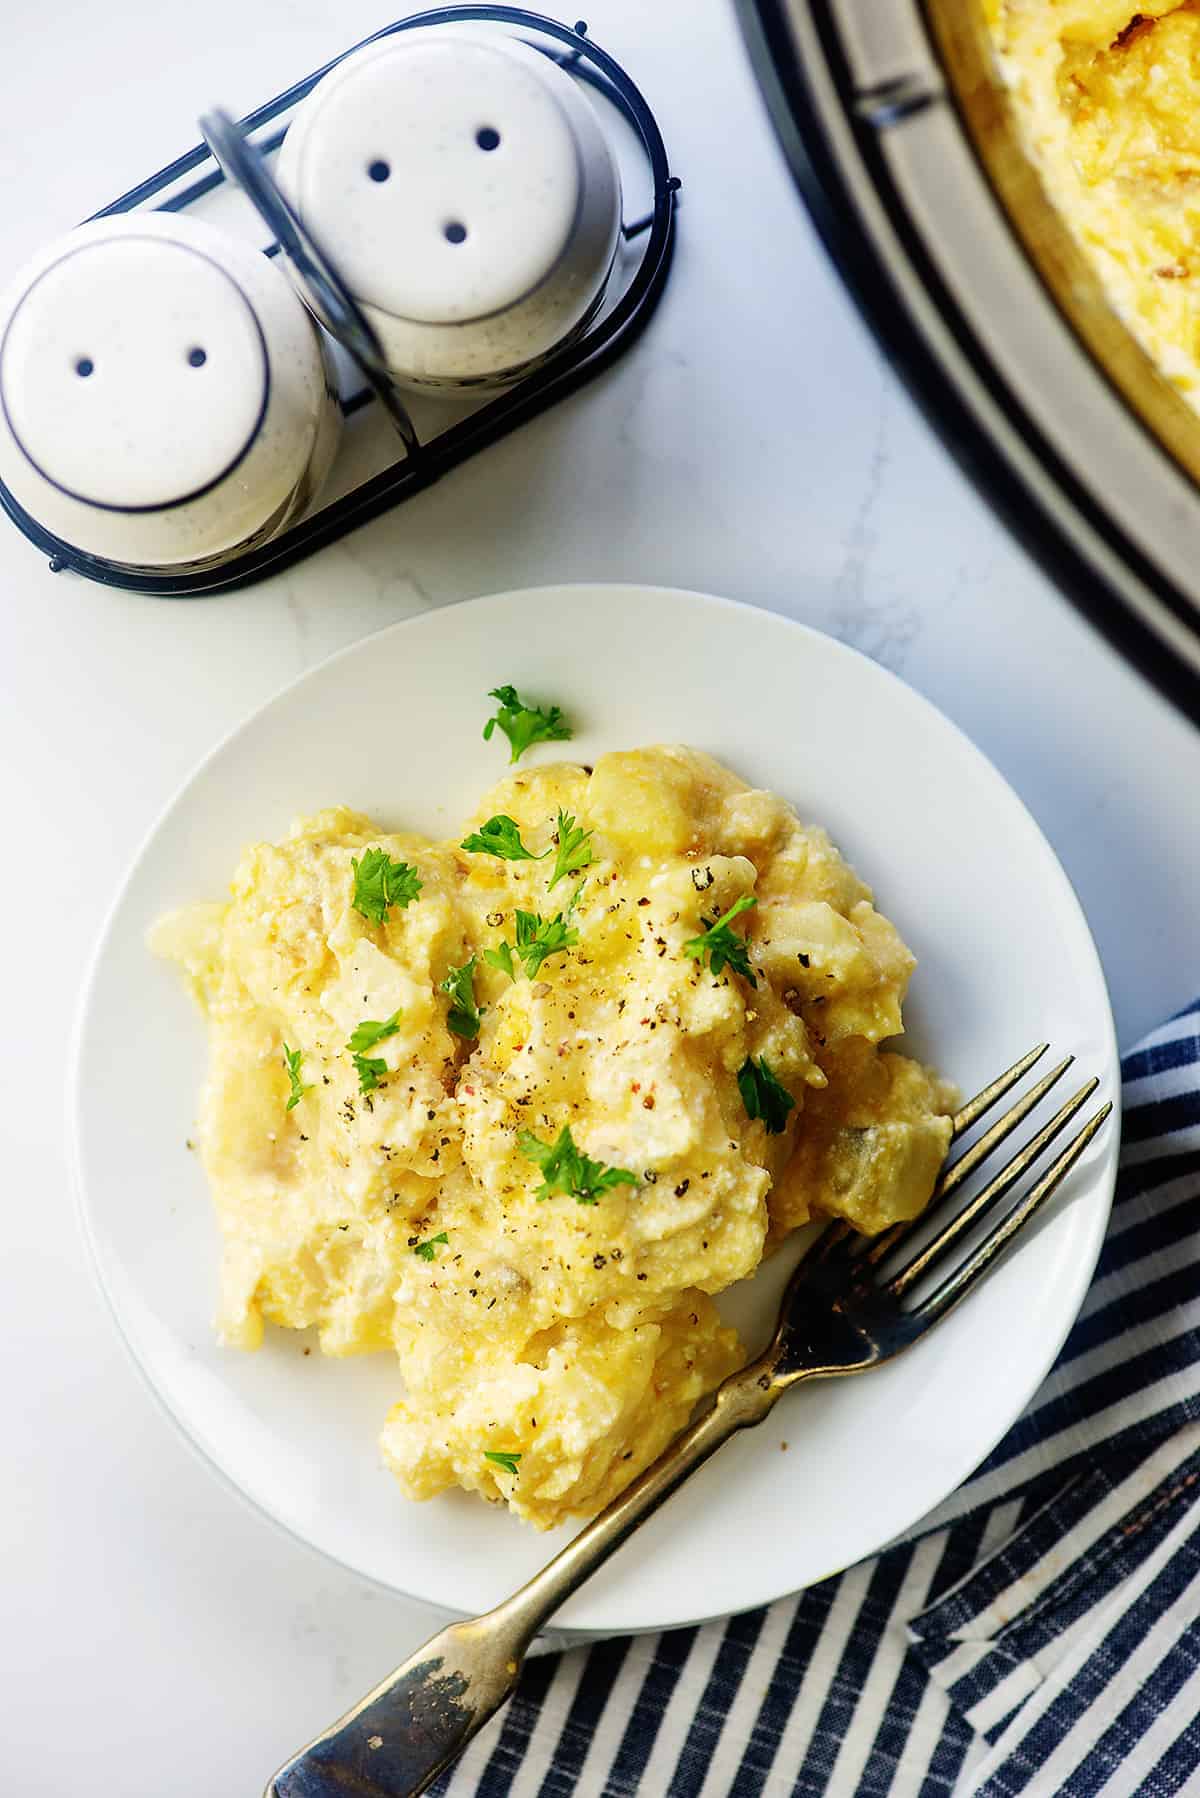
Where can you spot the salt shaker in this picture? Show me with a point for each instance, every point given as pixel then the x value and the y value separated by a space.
pixel 164 397
pixel 464 188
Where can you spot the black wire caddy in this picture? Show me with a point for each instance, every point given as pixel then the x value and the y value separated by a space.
pixel 234 157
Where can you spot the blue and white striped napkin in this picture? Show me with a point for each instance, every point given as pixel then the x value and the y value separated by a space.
pixel 1039 1633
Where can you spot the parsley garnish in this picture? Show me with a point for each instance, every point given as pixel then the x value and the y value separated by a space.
pixel 425 1249
pixel 380 882
pixel 502 836
pixel 524 724
pixel 537 938
pixel 574 850
pixel 763 1096
pixel 463 1015
pixel 368 1033
pixel 291 1060
pixel 502 1458
pixel 721 945
pixel 371 1068
pixel 567 1169
pixel 501 958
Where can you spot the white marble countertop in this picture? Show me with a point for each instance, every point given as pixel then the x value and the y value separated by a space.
pixel 160 1637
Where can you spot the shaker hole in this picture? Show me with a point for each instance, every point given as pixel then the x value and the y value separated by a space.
pixel 379 170
pixel 456 233
pixel 197 357
pixel 84 367
pixel 487 138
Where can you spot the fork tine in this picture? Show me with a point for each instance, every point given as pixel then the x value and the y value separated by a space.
pixel 971 1158
pixel 983 1101
pixel 983 1202
pixel 956 1287
pixel 979 1151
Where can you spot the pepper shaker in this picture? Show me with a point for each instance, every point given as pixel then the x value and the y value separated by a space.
pixel 462 184
pixel 165 401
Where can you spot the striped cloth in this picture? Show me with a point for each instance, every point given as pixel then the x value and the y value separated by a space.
pixel 1039 1633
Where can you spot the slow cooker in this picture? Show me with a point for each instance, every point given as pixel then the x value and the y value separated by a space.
pixel 904 143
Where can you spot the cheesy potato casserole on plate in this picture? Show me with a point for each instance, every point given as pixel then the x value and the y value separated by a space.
pixel 517 1105
pixel 1106 94
pixel 378 753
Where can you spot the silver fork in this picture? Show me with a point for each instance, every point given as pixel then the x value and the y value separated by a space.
pixel 846 1309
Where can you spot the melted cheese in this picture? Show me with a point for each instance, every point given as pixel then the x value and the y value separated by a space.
pixel 577 1336
pixel 1106 95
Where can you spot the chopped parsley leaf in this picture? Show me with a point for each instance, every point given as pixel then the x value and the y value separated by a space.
pixel 574 850
pixel 566 1169
pixel 502 836
pixel 501 958
pixel 292 1059
pixel 463 1015
pixel 763 1096
pixel 537 938
pixel 379 882
pixel 502 1458
pixel 370 1070
pixel 367 1035
pixel 523 723
pixel 425 1249
pixel 720 945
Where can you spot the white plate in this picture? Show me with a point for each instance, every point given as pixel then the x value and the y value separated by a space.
pixel 392 726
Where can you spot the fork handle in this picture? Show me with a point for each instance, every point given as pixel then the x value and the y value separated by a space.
pixel 419 1720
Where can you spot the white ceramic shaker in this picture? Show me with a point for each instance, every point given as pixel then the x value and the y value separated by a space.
pixel 164 397
pixel 464 188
